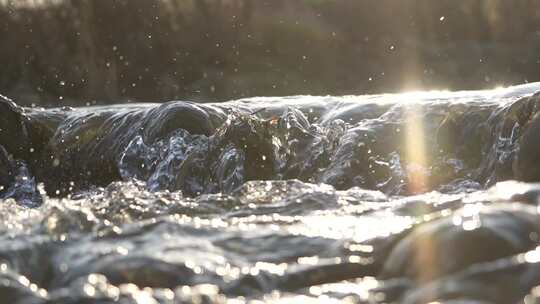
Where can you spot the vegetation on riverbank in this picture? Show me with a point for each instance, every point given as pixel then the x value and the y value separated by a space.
pixel 85 52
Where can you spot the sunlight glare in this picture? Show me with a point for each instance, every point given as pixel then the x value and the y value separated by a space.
pixel 415 150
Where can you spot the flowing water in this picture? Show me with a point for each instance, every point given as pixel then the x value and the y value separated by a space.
pixel 398 198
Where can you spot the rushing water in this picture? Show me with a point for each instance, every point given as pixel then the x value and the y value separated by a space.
pixel 399 198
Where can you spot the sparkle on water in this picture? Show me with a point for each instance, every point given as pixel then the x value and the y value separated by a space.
pixel 272 241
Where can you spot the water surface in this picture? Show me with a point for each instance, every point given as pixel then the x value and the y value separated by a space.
pixel 398 198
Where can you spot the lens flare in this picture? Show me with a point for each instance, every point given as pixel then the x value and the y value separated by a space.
pixel 415 157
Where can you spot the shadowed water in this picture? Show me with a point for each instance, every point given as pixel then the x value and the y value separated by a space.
pixel 403 198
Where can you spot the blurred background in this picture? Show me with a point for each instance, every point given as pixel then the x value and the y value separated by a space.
pixel 77 52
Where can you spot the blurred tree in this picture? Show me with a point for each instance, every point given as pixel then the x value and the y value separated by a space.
pixel 81 51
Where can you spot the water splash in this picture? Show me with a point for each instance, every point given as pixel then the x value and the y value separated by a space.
pixel 302 199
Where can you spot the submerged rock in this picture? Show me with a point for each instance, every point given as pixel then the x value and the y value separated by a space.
pixel 470 235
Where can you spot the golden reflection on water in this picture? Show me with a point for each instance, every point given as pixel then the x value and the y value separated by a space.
pixel 415 157
pixel 417 182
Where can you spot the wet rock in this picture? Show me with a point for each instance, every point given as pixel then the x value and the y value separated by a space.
pixel 169 117
pixel 526 167
pixel 87 146
pixel 255 138
pixel 444 246
pixel 507 154
pixel 6 171
pixel 461 133
pixel 22 139
pixel 506 280
pixel 13 130
pixel 146 272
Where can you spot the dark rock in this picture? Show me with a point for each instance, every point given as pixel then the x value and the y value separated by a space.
pixel 171 116
pixel 13 132
pixel 450 244
pixel 527 164
pixel 6 170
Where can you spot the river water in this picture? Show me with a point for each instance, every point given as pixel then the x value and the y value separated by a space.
pixel 420 197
